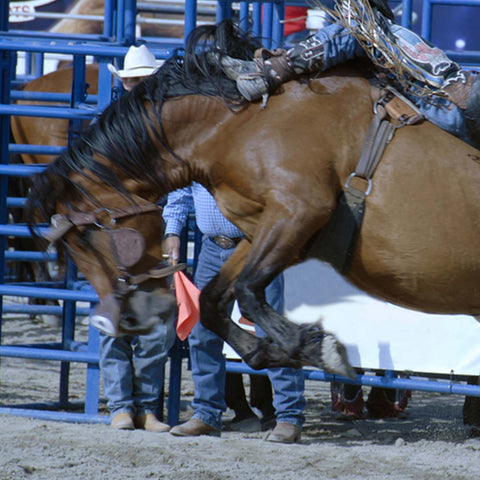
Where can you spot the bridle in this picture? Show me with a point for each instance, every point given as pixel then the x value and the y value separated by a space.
pixel 127 244
pixel 127 247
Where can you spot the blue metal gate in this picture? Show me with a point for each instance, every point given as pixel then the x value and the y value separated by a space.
pixel 118 34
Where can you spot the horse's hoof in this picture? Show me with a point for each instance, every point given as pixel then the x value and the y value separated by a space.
pixel 334 357
pixel 323 350
pixel 133 326
pixel 104 324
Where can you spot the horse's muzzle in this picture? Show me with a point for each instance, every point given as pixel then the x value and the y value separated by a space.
pixel 142 312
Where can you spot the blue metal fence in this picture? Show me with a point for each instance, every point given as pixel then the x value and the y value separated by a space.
pixel 113 44
pixel 119 32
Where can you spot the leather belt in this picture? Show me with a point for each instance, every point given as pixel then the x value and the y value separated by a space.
pixel 226 242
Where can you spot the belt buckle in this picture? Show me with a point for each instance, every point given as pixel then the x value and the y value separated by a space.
pixel 224 242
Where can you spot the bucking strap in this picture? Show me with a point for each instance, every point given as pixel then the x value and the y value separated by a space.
pixel 379 134
pixel 398 107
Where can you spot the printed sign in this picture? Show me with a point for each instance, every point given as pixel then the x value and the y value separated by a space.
pixel 23 11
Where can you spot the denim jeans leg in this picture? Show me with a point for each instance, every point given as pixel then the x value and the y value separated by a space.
pixel 288 383
pixel 150 353
pixel 443 114
pixel 339 45
pixel 117 372
pixel 206 348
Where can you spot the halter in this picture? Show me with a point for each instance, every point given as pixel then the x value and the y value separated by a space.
pixel 127 244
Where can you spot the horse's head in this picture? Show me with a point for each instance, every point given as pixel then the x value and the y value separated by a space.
pixel 115 240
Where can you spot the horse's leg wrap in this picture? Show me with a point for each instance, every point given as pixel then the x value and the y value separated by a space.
pixel 270 69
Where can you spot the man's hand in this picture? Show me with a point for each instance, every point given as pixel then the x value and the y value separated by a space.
pixel 172 248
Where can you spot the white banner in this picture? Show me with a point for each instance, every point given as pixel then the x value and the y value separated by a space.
pixel 378 334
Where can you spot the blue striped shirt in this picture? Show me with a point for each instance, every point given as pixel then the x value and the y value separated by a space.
pixel 197 199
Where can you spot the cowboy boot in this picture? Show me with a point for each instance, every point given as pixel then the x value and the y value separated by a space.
pixel 387 403
pixel 471 409
pixel 347 401
pixel 270 69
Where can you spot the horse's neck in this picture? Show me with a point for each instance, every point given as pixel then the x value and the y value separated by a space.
pixel 204 133
pixel 193 127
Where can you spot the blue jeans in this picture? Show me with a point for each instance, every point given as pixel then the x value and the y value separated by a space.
pixel 208 361
pixel 133 369
pixel 341 46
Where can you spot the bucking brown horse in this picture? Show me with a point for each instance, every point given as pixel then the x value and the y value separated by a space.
pixel 277 174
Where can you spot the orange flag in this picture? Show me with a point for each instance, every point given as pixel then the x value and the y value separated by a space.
pixel 188 296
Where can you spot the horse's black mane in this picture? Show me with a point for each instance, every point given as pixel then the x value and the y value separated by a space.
pixel 196 71
pixel 121 132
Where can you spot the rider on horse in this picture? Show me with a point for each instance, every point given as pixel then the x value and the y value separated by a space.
pixel 447 95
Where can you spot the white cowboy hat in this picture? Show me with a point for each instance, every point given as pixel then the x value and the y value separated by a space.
pixel 138 62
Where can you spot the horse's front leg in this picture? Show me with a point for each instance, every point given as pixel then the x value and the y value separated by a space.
pixel 214 307
pixel 272 250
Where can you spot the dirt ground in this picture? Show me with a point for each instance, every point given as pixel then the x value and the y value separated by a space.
pixel 430 443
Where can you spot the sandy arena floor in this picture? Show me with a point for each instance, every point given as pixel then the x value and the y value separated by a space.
pixel 431 443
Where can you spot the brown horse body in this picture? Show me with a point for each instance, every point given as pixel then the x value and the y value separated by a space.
pixel 417 246
pixel 276 173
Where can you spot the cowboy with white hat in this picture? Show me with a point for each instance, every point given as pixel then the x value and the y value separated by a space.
pixel 139 62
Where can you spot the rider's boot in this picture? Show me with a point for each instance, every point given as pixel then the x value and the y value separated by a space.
pixel 328 47
pixel 347 401
pixel 270 69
